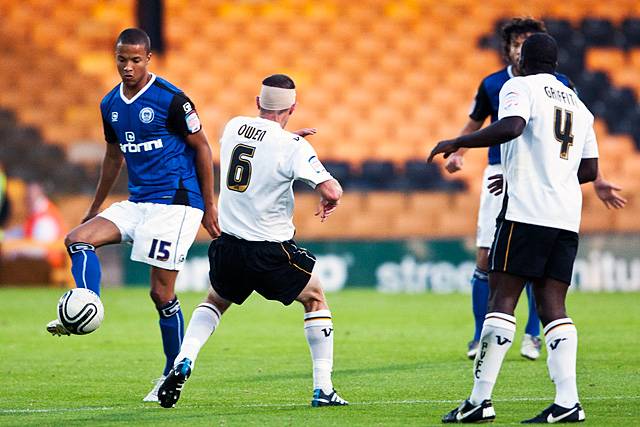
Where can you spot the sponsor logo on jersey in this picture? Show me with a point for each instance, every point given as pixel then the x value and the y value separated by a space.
pixel 193 121
pixel 114 116
pixel 130 136
pixel 187 107
pixel 142 146
pixel 316 165
pixel 146 115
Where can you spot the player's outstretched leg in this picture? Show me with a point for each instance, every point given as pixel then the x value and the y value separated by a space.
pixel 81 245
pixel 531 342
pixel 479 302
pixel 203 323
pixel 318 329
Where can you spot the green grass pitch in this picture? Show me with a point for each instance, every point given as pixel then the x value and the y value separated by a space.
pixel 398 360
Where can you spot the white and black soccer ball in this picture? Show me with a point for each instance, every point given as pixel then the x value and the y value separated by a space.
pixel 80 311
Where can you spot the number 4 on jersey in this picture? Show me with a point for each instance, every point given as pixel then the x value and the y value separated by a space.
pixel 562 129
pixel 239 173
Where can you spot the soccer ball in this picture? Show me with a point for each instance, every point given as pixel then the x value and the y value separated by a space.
pixel 80 311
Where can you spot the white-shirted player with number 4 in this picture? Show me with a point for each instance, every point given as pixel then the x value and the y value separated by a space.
pixel 259 161
pixel 549 149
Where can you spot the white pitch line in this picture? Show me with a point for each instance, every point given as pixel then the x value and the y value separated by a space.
pixel 290 405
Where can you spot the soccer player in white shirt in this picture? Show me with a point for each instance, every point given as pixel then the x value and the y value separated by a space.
pixel 259 161
pixel 549 149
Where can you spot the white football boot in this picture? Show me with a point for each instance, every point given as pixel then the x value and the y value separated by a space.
pixel 531 346
pixel 56 328
pixel 153 394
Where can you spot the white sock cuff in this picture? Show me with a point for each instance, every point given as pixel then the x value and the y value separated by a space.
pixel 317 318
pixel 500 320
pixel 565 324
pixel 206 306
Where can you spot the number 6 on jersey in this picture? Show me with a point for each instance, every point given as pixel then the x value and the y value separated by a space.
pixel 240 168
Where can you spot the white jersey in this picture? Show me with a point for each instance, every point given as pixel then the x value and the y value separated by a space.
pixel 541 165
pixel 258 163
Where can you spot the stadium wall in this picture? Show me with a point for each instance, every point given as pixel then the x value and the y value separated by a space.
pixel 605 263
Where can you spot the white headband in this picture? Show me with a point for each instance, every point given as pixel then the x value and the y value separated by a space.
pixel 276 98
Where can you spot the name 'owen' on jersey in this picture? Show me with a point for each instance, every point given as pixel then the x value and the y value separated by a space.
pixel 258 163
pixel 150 129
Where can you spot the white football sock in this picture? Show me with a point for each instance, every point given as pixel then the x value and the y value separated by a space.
pixel 318 329
pixel 561 337
pixel 496 339
pixel 203 322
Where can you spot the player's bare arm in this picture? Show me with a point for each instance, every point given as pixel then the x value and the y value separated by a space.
pixel 204 167
pixel 455 162
pixel 588 170
pixel 330 193
pixel 607 192
pixel 497 133
pixel 111 166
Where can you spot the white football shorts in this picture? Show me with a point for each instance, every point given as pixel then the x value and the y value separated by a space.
pixel 490 207
pixel 161 234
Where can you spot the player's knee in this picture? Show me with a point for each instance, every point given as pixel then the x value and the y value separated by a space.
pixel 74 236
pixel 161 295
pixel 216 300
pixel 313 299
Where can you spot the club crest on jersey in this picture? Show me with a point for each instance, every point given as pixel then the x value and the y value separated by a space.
pixel 114 116
pixel 316 165
pixel 146 115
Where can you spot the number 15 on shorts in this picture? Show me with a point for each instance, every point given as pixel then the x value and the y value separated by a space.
pixel 159 250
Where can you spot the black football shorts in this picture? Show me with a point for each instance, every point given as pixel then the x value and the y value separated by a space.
pixel 276 270
pixel 533 251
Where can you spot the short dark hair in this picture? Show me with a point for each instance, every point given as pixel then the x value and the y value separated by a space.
pixel 134 36
pixel 279 80
pixel 517 27
pixel 540 53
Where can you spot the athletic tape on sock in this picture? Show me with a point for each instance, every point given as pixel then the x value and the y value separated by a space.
pixel 170 308
pixel 74 248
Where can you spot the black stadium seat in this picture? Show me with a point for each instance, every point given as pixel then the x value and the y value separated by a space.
pixel 599 32
pixel 631 31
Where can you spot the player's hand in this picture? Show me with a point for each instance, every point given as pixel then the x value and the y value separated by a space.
pixel 210 222
pixel 305 131
pixel 91 213
pixel 454 163
pixel 496 186
pixel 446 147
pixel 606 192
pixel 325 208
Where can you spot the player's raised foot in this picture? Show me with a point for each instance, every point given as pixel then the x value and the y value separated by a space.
pixel 170 389
pixel 472 349
pixel 531 346
pixel 558 414
pixel 56 328
pixel 470 413
pixel 320 398
pixel 152 396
